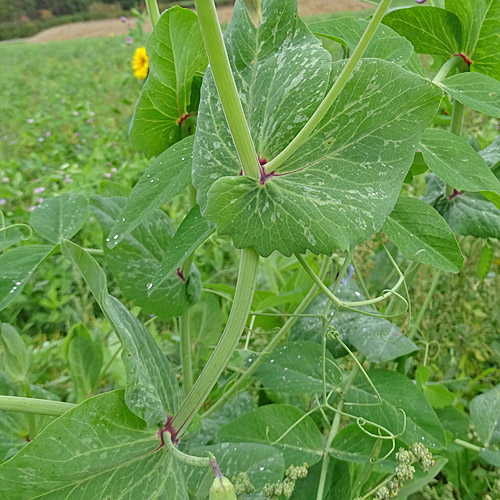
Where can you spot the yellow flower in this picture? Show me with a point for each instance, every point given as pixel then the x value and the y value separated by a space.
pixel 140 63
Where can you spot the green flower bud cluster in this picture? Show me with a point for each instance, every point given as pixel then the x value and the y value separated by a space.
pixel 276 490
pixel 405 470
pixel 242 484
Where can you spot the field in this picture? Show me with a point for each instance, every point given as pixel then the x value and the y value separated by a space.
pixel 65 111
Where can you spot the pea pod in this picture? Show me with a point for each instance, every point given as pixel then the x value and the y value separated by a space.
pixel 222 489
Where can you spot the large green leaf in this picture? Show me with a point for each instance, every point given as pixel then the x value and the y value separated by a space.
pixel 398 393
pixel 192 232
pixel 152 388
pixel 475 90
pixel 17 267
pixel 376 338
pixel 423 235
pixel 341 184
pixel 485 415
pixel 176 54
pixel 266 424
pixel 297 368
pixel 431 30
pixel 95 451
pixel 136 260
pixel 165 178
pixel 458 164
pixel 60 217
pixel 486 54
pixel 85 366
pixel 385 44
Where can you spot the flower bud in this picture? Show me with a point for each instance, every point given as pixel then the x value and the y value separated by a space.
pixel 222 489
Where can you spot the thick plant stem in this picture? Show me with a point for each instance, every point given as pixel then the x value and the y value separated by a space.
pixel 467 445
pixel 334 92
pixel 457 118
pixel 228 93
pixel 242 382
pixel 236 323
pixel 153 11
pixel 187 361
pixel 36 406
pixel 425 305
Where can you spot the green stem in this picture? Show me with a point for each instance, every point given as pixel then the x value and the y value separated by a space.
pixel 184 457
pixel 220 357
pixel 467 445
pixel 228 94
pixel 457 118
pixel 33 405
pixel 446 68
pixel 334 92
pixel 187 361
pixel 333 432
pixel 425 305
pixel 94 251
pixel 242 382
pixel 153 11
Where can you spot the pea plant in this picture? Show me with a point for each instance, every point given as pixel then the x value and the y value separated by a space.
pixel 299 143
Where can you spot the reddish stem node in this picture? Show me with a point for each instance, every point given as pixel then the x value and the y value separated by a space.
pixel 455 194
pixel 465 58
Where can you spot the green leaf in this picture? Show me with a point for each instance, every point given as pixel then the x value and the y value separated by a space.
pixel 152 388
pixel 206 320
pixel 262 463
pixel 297 368
pixel 17 267
pixel 12 435
pixel 454 421
pixel 490 456
pixel 485 415
pixel 165 178
pixel 475 90
pixel 486 55
pixel 269 423
pixel 10 235
pixel 458 164
pixel 16 357
pixel 431 30
pixel 472 16
pixel 422 424
pixel 60 217
pixel 491 154
pixel 85 366
pixel 385 44
pixel 176 54
pixel 342 183
pixel 423 235
pixel 94 451
pixel 136 260
pixel 438 395
pixel 192 232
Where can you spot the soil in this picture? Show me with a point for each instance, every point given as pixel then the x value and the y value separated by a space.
pixel 112 27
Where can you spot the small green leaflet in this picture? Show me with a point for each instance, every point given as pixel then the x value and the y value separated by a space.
pixel 165 178
pixel 61 217
pixel 491 154
pixel 342 183
pixel 297 368
pixel 135 261
pixel 431 30
pixel 299 441
pixel 385 44
pixel 176 55
pixel 16 268
pixel 192 232
pixel 458 164
pixel 85 364
pixel 152 388
pixel 423 235
pixel 485 415
pixel 10 235
pixel 422 424
pixel 97 450
pixel 475 90
pixel 485 259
